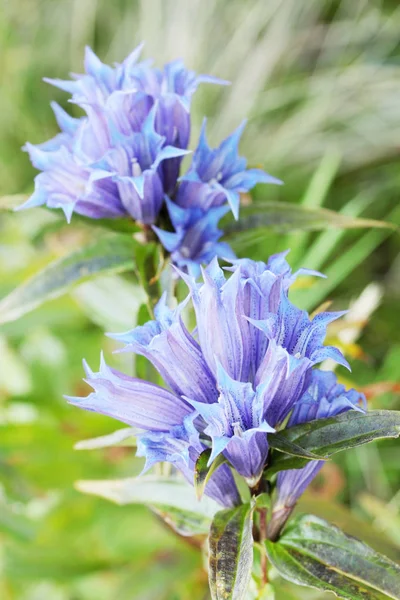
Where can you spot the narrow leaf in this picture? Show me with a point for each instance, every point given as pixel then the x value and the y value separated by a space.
pixel 184 522
pixel 121 437
pixel 325 437
pixel 313 553
pixel 111 253
pixel 203 472
pixel 285 216
pixel 352 524
pixel 280 443
pixel 163 492
pixel 231 553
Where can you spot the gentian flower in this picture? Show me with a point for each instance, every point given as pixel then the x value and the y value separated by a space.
pixel 232 381
pixel 123 157
pixel 133 163
pixel 195 240
pixel 125 154
pixel 210 187
pixel 126 180
pixel 219 175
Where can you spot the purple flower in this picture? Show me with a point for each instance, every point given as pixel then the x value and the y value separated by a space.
pixel 166 420
pixel 195 240
pixel 66 183
pixel 323 398
pixel 124 155
pixel 225 394
pixel 220 175
pixel 213 183
pixel 123 158
pixel 133 163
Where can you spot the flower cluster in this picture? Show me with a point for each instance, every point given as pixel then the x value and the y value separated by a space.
pixel 123 158
pixel 246 371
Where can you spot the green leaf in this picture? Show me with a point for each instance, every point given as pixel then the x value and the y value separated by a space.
pixel 163 492
pixel 349 522
pixel 342 264
pixel 280 443
pixel 325 437
pixel 231 553
pixel 203 472
pixel 313 553
pixel 184 522
pixel 263 501
pixel 285 216
pixel 14 524
pixel 124 225
pixel 121 437
pixel 110 253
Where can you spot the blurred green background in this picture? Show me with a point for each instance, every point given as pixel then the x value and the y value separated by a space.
pixel 319 82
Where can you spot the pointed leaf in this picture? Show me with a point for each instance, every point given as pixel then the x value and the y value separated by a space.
pixel 184 522
pixel 121 437
pixel 163 492
pixel 285 216
pixel 111 253
pixel 203 472
pixel 120 225
pixel 313 553
pixel 325 437
pixel 231 553
pixel 352 524
pixel 280 443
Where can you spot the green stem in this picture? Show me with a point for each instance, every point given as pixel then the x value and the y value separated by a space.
pixel 263 537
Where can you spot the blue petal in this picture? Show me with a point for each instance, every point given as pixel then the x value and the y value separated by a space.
pixel 169 152
pixel 135 402
pixel 169 239
pixel 174 353
pixel 64 120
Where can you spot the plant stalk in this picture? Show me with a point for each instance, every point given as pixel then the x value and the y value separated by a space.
pixel 263 537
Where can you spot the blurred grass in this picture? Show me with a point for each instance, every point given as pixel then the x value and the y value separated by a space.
pixel 319 82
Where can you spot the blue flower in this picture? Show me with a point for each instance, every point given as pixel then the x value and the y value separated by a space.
pixel 232 382
pixel 195 240
pixel 220 175
pixel 212 184
pixel 126 180
pixel 133 163
pixel 66 183
pixel 323 398
pixel 166 420
pixel 124 155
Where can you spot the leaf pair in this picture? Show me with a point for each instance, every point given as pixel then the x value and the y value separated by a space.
pixel 310 553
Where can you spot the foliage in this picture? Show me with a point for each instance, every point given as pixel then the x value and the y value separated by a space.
pixel 322 91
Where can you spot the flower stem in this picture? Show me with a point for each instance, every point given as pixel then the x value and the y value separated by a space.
pixel 263 537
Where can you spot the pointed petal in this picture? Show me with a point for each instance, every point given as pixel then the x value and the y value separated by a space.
pixel 132 401
pixel 169 152
pixel 64 120
pixel 169 240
